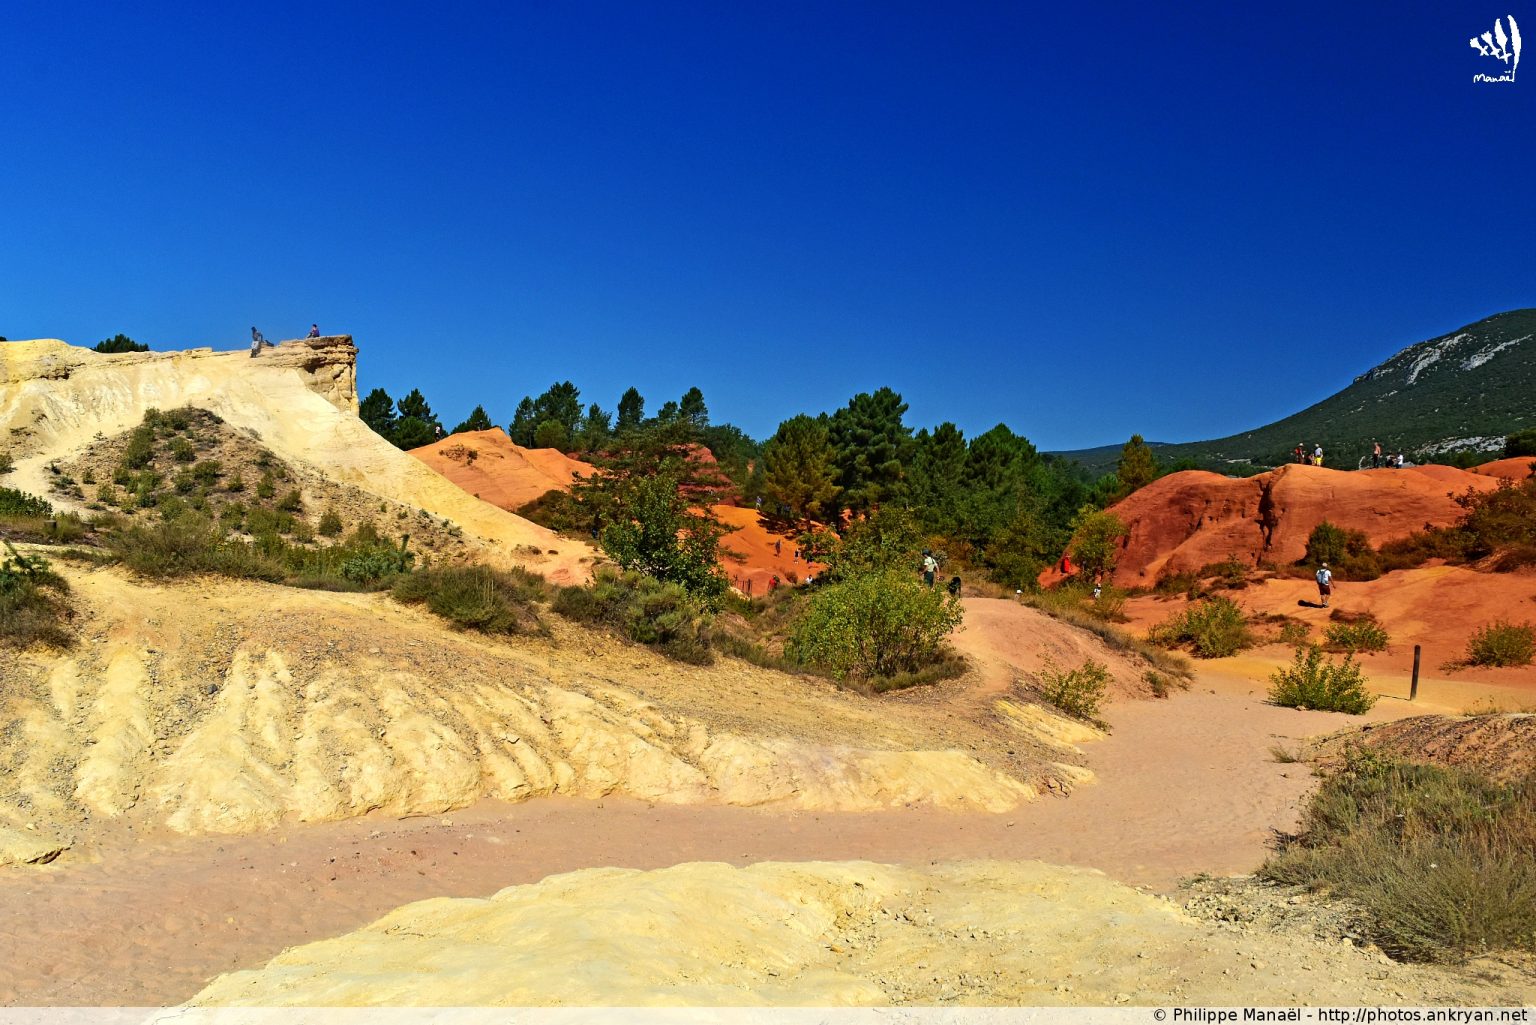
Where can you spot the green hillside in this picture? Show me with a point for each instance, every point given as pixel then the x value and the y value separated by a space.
pixel 1463 391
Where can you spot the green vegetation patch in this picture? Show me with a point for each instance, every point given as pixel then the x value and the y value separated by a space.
pixel 1212 628
pixel 1502 643
pixel 32 606
pixel 1316 682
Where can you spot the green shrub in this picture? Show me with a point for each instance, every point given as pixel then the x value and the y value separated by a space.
pixel 184 482
pixel 19 503
pixel 208 470
pixel 236 483
pixel 292 502
pixel 188 545
pixel 178 419
pixel 874 625
pixel 7 464
pixel 1321 684
pixel 1078 692
pixel 106 494
pixel 648 611
pixel 1347 552
pixel 1502 644
pixel 1213 628
pixel 1362 635
pixel 140 450
pixel 1438 858
pixel 32 607
pixel 266 488
pixel 330 523
pixel 182 451
pixel 476 597
pixel 1294 632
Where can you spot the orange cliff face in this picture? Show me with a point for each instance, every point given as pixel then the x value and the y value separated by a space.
pixel 490 466
pixel 1190 519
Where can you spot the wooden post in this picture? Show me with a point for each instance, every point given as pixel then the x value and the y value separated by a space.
pixel 1413 688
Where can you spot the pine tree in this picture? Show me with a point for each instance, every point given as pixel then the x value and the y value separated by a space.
pixel 872 445
pixel 120 343
pixel 1137 467
pixel 478 421
pixel 798 469
pixel 561 403
pixel 631 411
pixel 937 477
pixel 596 428
pixel 693 410
pixel 520 430
pixel 378 412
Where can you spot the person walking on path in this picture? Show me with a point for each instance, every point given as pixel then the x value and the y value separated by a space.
pixel 1324 584
pixel 314 330
pixel 1375 454
pixel 930 567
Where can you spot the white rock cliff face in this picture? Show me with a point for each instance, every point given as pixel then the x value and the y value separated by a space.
pixel 298 399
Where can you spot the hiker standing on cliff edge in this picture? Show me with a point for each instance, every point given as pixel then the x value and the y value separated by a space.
pixel 257 343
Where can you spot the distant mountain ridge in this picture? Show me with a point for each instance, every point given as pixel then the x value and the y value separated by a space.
pixel 1463 391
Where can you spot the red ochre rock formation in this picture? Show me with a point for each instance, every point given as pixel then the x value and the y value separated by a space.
pixel 490 466
pixel 1190 519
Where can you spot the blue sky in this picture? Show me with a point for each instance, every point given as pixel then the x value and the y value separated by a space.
pixel 1080 221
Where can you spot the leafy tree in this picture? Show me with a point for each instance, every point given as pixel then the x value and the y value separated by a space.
pixel 1096 541
pixel 523 423
pixel 478 421
pixel 693 410
pixel 798 469
pixel 650 503
pixel 120 343
pixel 1521 443
pixel 378 412
pixel 871 444
pixel 669 413
pixel 1137 467
pixel 631 411
pixel 886 540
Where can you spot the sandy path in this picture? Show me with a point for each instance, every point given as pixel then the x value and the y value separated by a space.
pixel 1185 785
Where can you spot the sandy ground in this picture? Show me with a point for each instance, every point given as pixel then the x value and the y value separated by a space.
pixel 154 918
pixel 1435 607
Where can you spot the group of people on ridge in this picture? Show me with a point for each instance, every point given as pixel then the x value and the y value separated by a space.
pixel 1378 459
pixel 259 342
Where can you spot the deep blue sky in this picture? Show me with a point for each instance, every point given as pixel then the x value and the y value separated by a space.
pixel 1082 221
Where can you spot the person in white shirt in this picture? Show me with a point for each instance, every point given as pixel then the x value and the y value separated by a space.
pixel 1324 584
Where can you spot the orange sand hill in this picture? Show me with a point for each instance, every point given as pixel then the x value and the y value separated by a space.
pixel 1514 468
pixel 510 476
pixel 1189 519
pixel 756 561
pixel 491 467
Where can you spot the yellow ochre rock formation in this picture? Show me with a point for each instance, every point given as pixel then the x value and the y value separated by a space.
pixel 824 933
pixel 232 710
pixel 299 399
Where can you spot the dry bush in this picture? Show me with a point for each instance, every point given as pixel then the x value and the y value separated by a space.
pixel 1438 858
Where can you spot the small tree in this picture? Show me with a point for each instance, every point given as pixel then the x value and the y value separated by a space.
pixel 631 411
pixel 551 434
pixel 1096 541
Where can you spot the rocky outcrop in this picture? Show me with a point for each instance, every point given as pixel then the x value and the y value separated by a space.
pixel 1190 519
pixel 299 399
